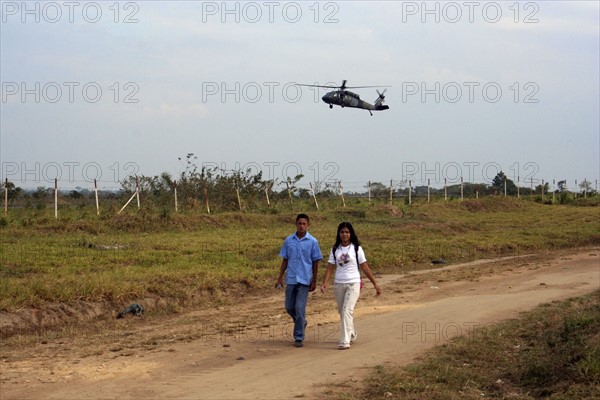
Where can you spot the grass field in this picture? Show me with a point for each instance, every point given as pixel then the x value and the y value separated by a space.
pixel 190 258
pixel 552 352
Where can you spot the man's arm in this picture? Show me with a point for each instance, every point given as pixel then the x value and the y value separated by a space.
pixel 282 269
pixel 313 282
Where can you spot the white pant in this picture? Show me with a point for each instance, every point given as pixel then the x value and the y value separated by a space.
pixel 346 296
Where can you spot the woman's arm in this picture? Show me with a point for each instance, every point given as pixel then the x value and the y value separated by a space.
pixel 367 270
pixel 327 276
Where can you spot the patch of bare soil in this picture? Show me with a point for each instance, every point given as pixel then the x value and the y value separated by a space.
pixel 244 350
pixel 50 316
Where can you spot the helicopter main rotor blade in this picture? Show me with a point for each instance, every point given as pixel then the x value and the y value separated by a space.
pixel 342 87
pixel 328 87
pixel 363 87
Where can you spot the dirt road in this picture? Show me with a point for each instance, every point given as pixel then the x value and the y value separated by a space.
pixel 245 351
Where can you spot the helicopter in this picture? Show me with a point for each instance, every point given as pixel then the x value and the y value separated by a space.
pixel 344 98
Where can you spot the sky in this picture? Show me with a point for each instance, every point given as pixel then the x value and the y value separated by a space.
pixel 105 90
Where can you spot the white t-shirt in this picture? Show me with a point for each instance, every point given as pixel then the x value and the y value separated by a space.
pixel 348 271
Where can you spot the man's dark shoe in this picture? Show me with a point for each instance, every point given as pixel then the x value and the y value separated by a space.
pixel 298 343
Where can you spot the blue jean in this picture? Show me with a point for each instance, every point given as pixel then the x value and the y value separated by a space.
pixel 296 297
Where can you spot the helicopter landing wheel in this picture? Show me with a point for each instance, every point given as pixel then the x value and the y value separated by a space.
pixel 331 106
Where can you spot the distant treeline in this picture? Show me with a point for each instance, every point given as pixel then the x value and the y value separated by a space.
pixel 216 190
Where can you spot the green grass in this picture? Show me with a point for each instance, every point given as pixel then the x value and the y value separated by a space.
pixel 115 258
pixel 552 352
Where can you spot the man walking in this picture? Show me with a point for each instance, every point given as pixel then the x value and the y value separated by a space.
pixel 301 255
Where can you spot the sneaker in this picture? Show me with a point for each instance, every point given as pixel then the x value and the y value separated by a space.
pixel 343 347
pixel 298 343
pixel 353 338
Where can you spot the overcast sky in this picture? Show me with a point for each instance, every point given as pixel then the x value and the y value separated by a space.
pixel 104 89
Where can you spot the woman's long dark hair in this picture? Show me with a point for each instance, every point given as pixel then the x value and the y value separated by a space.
pixel 353 238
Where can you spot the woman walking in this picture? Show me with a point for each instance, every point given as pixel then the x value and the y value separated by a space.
pixel 347 256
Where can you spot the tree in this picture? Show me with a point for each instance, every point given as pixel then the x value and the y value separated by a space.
pixel 586 187
pixel 546 188
pixel 291 184
pixel 40 193
pixel 74 194
pixel 498 184
pixel 13 191
pixel 379 190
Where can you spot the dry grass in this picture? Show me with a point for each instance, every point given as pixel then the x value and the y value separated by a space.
pixel 191 258
pixel 552 352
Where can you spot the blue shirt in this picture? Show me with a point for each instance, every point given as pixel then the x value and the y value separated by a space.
pixel 300 254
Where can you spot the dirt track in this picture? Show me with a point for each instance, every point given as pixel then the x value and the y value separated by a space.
pixel 245 351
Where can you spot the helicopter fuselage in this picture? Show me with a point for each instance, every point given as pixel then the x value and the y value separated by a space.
pixel 345 98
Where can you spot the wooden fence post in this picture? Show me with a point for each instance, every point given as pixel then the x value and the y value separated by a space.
pixel 128 201
pixel 137 191
pixel 267 187
pixel 237 192
pixel 428 189
pixel 96 195
pixel 55 198
pixel 445 189
pixel 205 191
pixel 5 195
pixel 531 186
pixel 542 190
pixel 289 193
pixel 175 194
pixel 314 195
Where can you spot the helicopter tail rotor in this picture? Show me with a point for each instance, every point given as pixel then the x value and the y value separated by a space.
pixel 379 102
pixel 380 99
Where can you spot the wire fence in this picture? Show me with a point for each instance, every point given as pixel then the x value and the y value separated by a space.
pixel 212 194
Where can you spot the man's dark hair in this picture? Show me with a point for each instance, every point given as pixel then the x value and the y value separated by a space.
pixel 300 216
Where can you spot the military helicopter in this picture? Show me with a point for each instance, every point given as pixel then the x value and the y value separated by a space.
pixel 344 98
